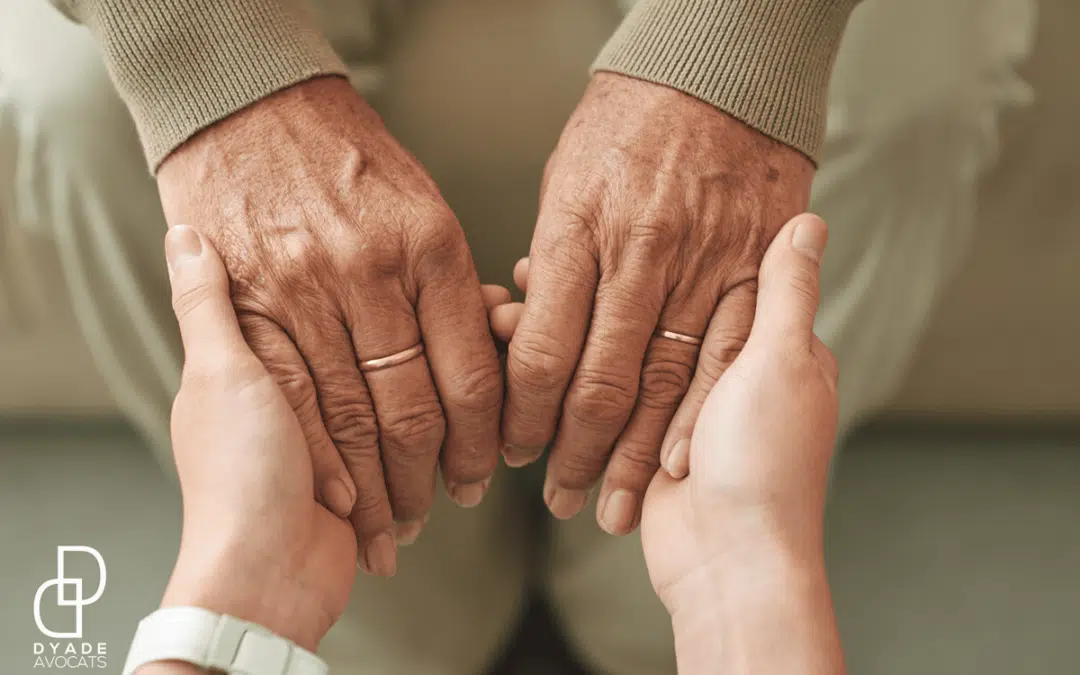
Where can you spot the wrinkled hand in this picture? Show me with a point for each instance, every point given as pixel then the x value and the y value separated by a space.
pixel 752 486
pixel 655 212
pixel 341 250
pixel 256 544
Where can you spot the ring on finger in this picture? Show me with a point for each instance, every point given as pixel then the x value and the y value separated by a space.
pixel 678 337
pixel 393 359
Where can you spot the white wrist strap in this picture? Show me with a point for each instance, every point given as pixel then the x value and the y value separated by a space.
pixel 214 641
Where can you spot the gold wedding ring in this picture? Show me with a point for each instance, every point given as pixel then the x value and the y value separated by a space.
pixel 393 360
pixel 678 337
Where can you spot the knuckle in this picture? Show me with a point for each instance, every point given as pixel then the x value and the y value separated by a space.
pixel 371 511
pixel 638 460
pixel 440 242
pixel 476 392
pixel 295 383
pixel 575 233
pixel 415 432
pixel 718 353
pixel 599 399
pixel 663 383
pixel 536 364
pixel 302 249
pixel 579 230
pixel 352 427
pixel 371 261
pixel 655 239
pixel 578 470
pixel 258 331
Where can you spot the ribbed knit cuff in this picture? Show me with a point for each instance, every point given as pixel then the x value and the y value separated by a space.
pixel 181 65
pixel 765 62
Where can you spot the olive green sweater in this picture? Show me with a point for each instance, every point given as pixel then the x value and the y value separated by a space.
pixel 181 65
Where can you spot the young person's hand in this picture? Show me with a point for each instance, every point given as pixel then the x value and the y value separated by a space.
pixel 256 544
pixel 732 526
pixel 732 529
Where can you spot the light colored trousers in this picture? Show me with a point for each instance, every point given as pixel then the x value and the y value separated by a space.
pixel 479 91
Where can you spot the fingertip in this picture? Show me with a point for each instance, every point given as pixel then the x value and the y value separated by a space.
pixel 788 282
pixel 337 495
pixel 521 274
pixel 379 557
pixel 408 532
pixel 468 495
pixel 183 247
pixel 677 460
pixel 200 296
pixel 618 512
pixel 504 320
pixel 494 295
pixel 194 264
pixel 809 235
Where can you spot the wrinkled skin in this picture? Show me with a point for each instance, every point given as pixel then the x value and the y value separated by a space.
pixel 656 210
pixel 341 250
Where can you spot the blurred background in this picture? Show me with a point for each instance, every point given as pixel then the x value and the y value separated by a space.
pixel 953 531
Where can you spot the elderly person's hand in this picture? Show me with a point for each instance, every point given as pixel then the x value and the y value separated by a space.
pixel 655 211
pixel 256 543
pixel 341 252
pixel 732 530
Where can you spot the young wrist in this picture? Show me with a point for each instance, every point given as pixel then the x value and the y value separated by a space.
pixel 219 581
pixel 762 607
pixel 744 553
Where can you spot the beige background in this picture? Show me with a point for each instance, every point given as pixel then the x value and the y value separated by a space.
pixel 1006 338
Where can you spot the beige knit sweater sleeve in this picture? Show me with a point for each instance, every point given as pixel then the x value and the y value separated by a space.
pixel 181 65
pixel 765 62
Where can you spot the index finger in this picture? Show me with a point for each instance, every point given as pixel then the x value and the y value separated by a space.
pixel 544 351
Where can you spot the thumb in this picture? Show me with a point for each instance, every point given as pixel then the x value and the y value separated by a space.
pixel 788 291
pixel 200 298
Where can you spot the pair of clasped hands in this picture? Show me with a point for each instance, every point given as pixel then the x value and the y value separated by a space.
pixel 655 210
pixel 731 529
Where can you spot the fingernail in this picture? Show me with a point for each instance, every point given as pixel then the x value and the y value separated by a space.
pixel 678 459
pixel 337 497
pixel 182 244
pixel 406 533
pixel 809 237
pixel 380 556
pixel 562 502
pixel 471 494
pixel 517 456
pixel 617 516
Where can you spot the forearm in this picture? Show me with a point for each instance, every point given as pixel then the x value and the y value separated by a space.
pixel 769 613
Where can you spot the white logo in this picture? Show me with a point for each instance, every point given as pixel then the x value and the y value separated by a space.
pixel 77 600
